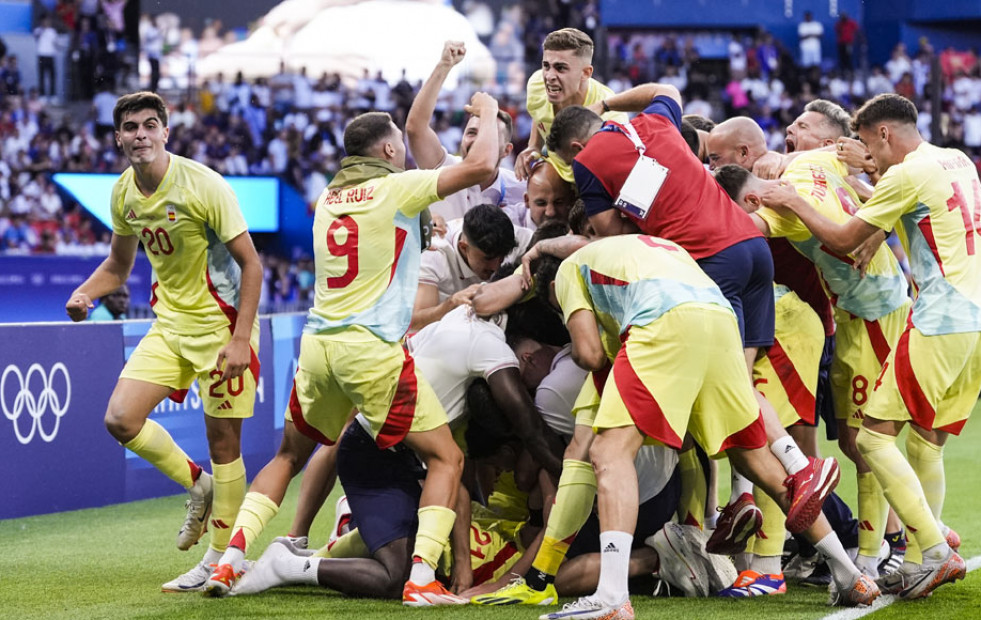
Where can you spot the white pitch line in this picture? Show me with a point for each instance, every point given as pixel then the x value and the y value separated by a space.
pixel 885 600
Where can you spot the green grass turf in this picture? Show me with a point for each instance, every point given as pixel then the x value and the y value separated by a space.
pixel 109 563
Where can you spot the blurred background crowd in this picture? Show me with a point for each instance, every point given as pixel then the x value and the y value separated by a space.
pixel 289 124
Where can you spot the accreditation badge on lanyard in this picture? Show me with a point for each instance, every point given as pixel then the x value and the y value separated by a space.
pixel 643 183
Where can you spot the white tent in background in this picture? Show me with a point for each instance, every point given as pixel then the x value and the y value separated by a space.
pixel 349 36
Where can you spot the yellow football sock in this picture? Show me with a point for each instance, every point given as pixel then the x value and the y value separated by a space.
pixel 229 491
pixel 914 554
pixel 435 524
pixel 694 492
pixel 768 542
pixel 873 509
pixel 573 503
pixel 155 445
pixel 927 460
pixel 900 485
pixel 350 545
pixel 255 514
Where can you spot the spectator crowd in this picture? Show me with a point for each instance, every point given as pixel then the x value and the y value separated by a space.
pixel 290 124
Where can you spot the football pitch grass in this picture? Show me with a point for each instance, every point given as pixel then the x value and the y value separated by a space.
pixel 109 563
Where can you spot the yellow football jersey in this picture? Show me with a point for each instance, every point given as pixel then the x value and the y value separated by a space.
pixel 542 114
pixel 366 244
pixel 935 197
pixel 819 178
pixel 184 227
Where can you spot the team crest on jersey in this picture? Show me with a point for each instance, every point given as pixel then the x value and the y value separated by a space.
pixel 171 213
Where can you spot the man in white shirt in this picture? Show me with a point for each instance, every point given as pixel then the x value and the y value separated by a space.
pixel 810 33
pixel 499 189
pixel 473 249
pixel 46 38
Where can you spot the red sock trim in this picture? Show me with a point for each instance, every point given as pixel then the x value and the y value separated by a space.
pixel 195 471
pixel 238 541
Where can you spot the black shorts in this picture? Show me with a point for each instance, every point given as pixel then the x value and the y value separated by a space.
pixel 651 517
pixel 382 487
pixel 744 272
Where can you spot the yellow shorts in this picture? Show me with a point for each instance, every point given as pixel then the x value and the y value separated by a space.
pixel 931 381
pixel 684 371
pixel 351 367
pixel 787 373
pixel 584 409
pixel 167 359
pixel 861 348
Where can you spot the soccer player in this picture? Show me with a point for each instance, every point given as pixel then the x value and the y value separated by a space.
pixel 470 253
pixel 564 80
pixel 205 295
pixel 366 242
pixel 644 305
pixel 932 377
pixel 682 202
pixel 500 188
pixel 870 311
pixel 549 197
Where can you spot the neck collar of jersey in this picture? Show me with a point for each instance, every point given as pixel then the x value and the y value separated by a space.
pixel 356 170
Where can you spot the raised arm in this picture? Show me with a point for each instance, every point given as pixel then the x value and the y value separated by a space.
pixel 423 142
pixel 636 99
pixel 107 277
pixel 481 160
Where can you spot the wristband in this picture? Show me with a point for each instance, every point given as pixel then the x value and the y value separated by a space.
pixel 606 107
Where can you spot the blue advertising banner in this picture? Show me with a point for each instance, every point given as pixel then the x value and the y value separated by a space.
pixel 35 288
pixel 286 329
pixel 55 383
pixel 55 453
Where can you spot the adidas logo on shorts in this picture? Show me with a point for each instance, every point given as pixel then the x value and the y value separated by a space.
pixel 225 406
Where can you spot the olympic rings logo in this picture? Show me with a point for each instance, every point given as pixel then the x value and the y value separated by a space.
pixel 35 403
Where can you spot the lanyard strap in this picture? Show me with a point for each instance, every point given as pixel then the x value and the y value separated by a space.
pixel 632 134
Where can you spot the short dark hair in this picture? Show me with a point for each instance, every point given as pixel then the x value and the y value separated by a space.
pixel 699 122
pixel 834 115
pixel 543 270
pixel 549 230
pixel 570 39
pixel 136 102
pixel 732 179
pixel 490 230
pixel 570 124
pixel 505 118
pixel 885 107
pixel 366 131
pixel 535 320
pixel 690 134
pixel 578 220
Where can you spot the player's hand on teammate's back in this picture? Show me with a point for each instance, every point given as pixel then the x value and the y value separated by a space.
pixel 465 296
pixel 770 166
pixel 453 52
pixel 233 358
pixel 78 307
pixel 779 196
